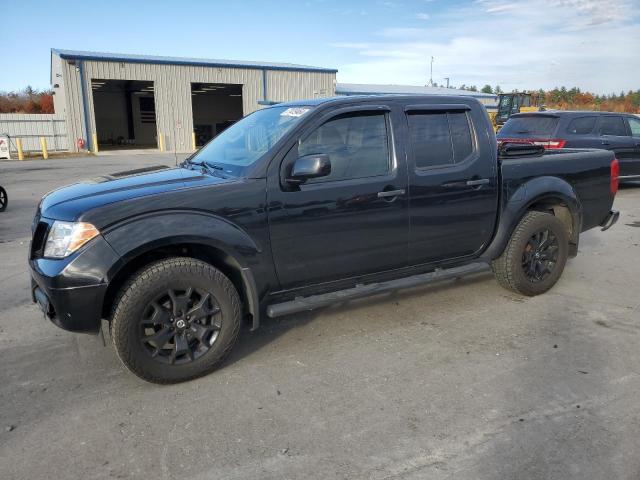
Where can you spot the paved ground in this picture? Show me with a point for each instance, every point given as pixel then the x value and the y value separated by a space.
pixel 459 381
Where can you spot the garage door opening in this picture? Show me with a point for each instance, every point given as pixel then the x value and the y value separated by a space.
pixel 216 106
pixel 125 114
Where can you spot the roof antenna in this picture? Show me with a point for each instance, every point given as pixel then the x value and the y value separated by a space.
pixel 431 76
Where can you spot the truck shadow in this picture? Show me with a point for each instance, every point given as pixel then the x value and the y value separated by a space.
pixel 271 329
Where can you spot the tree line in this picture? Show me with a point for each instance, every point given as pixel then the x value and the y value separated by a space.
pixel 28 100
pixel 574 99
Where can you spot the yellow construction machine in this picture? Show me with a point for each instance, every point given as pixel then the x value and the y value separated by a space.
pixel 514 102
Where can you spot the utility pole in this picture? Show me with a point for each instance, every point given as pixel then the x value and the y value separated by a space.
pixel 447 79
pixel 431 76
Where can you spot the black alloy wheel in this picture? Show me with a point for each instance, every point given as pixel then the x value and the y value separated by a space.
pixel 4 200
pixel 540 256
pixel 179 326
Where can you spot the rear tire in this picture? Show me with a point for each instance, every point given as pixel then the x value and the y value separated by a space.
pixel 535 256
pixel 176 320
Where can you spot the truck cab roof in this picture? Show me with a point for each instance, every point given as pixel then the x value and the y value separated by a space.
pixel 399 98
pixel 568 113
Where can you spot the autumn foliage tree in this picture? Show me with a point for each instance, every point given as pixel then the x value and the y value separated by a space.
pixel 575 99
pixel 28 100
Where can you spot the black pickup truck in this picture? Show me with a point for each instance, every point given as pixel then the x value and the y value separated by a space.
pixel 301 205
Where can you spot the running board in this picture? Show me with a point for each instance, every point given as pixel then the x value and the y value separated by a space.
pixel 301 304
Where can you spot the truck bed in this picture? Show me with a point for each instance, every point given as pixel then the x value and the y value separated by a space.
pixel 588 171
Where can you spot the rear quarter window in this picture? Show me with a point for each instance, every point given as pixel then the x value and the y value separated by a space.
pixel 634 125
pixel 612 125
pixel 530 126
pixel 582 125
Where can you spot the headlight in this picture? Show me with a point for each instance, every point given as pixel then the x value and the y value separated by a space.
pixel 66 237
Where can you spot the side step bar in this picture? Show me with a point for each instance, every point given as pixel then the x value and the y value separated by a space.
pixel 301 304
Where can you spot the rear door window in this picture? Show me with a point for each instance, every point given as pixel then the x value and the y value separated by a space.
pixel 612 125
pixel 440 138
pixel 582 125
pixel 529 126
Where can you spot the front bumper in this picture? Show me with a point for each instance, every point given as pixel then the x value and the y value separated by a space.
pixel 74 309
pixel 71 291
pixel 610 220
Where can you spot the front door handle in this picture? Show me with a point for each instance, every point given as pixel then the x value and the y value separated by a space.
pixel 474 183
pixel 604 142
pixel 390 193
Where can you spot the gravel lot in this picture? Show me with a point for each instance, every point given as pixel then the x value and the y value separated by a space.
pixel 462 380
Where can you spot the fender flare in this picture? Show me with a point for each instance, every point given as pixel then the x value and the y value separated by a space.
pixel 530 193
pixel 156 230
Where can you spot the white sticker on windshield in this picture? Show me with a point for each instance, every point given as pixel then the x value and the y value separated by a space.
pixel 295 111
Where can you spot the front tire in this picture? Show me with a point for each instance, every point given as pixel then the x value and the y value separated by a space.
pixel 175 320
pixel 4 199
pixel 535 256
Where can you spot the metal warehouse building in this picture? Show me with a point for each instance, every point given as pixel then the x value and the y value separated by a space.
pixel 136 101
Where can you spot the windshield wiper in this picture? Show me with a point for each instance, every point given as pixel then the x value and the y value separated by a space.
pixel 205 165
pixel 211 168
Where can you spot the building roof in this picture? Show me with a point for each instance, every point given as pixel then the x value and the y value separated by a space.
pixel 371 89
pixel 201 62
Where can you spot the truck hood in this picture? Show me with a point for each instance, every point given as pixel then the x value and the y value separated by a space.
pixel 69 202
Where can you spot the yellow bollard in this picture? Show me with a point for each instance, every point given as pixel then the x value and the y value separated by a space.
pixel 19 147
pixel 95 143
pixel 193 141
pixel 161 142
pixel 43 144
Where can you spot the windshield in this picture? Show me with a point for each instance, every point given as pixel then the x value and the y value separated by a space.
pixel 534 126
pixel 240 145
pixel 504 106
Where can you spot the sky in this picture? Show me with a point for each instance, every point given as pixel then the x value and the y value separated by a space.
pixel 518 44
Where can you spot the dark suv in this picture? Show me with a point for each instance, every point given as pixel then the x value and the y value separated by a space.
pixel 618 132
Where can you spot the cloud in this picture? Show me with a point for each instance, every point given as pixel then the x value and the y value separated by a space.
pixel 538 44
pixel 577 13
pixel 500 7
pixel 423 16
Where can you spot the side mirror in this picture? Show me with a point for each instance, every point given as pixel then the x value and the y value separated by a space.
pixel 310 166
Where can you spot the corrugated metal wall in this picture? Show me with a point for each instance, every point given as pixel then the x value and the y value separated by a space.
pixel 73 101
pixel 31 126
pixel 285 86
pixel 174 116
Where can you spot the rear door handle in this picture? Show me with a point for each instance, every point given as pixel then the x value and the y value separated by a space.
pixel 391 193
pixel 468 183
pixel 481 181
pixel 605 143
